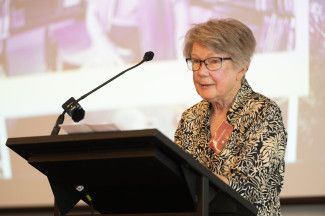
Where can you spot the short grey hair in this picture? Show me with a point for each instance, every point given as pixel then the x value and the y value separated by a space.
pixel 227 36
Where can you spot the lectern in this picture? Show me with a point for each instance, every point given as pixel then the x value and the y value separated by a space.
pixel 124 173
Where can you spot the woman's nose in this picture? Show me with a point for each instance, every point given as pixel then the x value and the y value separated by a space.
pixel 203 71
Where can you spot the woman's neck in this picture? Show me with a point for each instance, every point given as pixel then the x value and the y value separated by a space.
pixel 223 105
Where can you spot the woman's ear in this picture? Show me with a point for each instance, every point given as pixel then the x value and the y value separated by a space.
pixel 241 73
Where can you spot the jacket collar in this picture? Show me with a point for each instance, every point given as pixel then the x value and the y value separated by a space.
pixel 241 99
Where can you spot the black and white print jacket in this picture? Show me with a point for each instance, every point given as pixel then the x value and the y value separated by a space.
pixel 253 157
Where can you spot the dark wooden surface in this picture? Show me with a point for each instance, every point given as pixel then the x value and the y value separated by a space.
pixel 43 151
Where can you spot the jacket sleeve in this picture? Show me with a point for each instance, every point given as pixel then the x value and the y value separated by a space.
pixel 258 171
pixel 180 133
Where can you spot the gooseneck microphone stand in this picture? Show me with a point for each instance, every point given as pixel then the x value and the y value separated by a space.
pixel 72 106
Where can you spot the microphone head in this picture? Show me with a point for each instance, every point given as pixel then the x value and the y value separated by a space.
pixel 74 110
pixel 148 56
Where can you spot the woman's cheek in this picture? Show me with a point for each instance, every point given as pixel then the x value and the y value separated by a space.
pixel 215 75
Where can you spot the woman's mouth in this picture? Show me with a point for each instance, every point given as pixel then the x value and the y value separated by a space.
pixel 206 85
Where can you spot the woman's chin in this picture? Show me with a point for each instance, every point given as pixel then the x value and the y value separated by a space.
pixel 208 97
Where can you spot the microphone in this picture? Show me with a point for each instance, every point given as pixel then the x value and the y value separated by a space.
pixel 148 56
pixel 74 109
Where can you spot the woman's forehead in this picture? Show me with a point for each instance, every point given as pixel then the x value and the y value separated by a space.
pixel 198 49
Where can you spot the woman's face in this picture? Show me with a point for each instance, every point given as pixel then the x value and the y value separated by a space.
pixel 220 85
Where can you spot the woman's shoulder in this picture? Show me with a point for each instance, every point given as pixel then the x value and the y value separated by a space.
pixel 252 107
pixel 260 108
pixel 256 97
pixel 249 102
pixel 259 102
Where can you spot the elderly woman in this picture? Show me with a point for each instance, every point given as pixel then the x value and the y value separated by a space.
pixel 235 132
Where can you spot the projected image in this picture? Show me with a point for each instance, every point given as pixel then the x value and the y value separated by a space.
pixel 75 33
pixel 312 115
pixel 271 21
pixel 72 34
pixel 317 28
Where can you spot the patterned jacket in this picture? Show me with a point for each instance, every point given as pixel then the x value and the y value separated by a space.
pixel 253 157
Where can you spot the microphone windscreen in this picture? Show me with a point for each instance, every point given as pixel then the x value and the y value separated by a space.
pixel 148 56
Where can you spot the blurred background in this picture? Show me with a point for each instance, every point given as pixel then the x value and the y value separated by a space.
pixel 51 50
